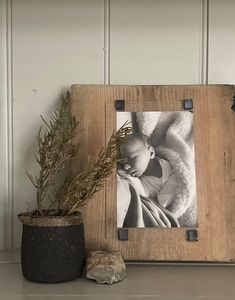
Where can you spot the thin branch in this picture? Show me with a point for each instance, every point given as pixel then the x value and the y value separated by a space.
pixel 32 179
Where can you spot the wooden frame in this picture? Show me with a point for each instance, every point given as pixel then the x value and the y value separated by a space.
pixel 214 123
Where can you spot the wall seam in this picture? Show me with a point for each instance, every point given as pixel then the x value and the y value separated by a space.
pixel 106 41
pixel 106 81
pixel 205 42
pixel 3 114
pixel 9 94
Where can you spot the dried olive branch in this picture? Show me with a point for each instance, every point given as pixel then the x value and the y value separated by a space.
pixel 87 183
pixel 55 148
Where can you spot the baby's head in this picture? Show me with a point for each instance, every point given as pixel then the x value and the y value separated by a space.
pixel 137 153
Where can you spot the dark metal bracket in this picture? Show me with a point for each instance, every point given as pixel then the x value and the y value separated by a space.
pixel 120 105
pixel 188 104
pixel 233 106
pixel 123 234
pixel 192 235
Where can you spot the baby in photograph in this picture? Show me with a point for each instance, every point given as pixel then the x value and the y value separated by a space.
pixel 140 160
pixel 158 170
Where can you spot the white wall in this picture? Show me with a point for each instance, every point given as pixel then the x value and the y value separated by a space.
pixel 56 43
pixel 155 42
pixel 222 41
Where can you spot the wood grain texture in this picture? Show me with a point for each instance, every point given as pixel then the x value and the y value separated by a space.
pixel 214 124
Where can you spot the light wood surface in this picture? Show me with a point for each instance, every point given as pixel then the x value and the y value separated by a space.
pixel 93 105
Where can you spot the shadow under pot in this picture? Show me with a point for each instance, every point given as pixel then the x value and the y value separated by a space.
pixel 53 248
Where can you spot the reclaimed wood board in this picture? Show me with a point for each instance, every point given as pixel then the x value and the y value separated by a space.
pixel 214 138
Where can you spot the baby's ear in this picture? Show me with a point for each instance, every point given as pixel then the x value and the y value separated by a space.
pixel 152 152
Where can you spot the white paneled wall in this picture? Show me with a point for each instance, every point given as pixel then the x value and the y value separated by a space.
pixel 56 43
pixel 156 42
pixel 222 41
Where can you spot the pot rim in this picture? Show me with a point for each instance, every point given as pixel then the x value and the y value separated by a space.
pixel 50 221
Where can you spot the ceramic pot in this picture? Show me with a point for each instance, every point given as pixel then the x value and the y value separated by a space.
pixel 53 248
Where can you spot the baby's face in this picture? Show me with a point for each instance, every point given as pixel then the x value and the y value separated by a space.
pixel 136 157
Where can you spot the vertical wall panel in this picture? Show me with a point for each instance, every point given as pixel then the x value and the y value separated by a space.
pixel 3 119
pixel 56 43
pixel 156 42
pixel 221 41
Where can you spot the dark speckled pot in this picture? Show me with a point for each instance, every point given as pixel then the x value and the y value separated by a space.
pixel 51 254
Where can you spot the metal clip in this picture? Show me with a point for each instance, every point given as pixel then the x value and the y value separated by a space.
pixel 120 105
pixel 192 235
pixel 123 234
pixel 188 104
pixel 233 106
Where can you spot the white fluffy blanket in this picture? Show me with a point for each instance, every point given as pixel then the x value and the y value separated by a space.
pixel 172 135
pixel 136 210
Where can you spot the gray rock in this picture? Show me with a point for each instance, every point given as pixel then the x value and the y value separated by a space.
pixel 105 266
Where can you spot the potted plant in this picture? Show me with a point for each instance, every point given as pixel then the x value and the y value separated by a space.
pixel 53 245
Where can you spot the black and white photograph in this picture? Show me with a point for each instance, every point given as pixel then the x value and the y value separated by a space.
pixel 156 180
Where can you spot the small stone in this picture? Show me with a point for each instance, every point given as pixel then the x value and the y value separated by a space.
pixel 105 266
